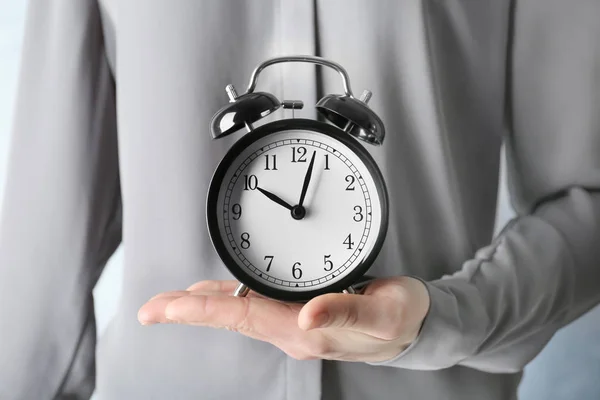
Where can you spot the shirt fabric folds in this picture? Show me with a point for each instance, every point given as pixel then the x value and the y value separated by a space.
pixel 111 145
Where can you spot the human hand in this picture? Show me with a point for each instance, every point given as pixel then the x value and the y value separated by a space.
pixel 370 327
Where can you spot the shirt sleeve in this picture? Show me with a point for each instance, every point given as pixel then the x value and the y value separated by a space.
pixel 60 219
pixel 541 272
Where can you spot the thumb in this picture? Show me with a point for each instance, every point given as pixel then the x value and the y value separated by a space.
pixel 371 315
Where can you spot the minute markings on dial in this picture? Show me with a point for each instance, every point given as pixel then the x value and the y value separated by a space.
pixel 341 267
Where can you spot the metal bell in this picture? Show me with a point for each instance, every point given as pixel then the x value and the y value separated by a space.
pixel 353 116
pixel 242 111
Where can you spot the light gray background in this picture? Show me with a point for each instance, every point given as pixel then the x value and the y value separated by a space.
pixel 569 367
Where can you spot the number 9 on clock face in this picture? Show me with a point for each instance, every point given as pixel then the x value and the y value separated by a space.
pixel 297 208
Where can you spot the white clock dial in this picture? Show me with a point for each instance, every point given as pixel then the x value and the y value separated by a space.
pixel 343 210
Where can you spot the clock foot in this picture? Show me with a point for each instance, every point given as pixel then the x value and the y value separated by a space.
pixel 241 291
pixel 349 290
pixel 360 286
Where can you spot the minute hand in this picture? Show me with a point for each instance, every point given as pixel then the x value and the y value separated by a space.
pixel 307 179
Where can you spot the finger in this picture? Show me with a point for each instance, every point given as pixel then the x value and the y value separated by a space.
pixel 370 315
pixel 225 287
pixel 179 293
pixel 259 318
pixel 154 310
pixel 174 293
pixel 214 286
pixel 255 317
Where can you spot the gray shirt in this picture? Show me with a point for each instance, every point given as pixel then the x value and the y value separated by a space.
pixel 111 145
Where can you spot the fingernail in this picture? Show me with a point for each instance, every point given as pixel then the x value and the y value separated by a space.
pixel 143 319
pixel 144 322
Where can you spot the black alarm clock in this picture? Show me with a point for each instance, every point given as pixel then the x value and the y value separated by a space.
pixel 298 207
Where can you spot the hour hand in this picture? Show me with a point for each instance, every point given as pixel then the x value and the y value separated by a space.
pixel 275 198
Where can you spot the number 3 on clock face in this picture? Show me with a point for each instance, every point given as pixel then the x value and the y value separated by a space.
pixel 297 208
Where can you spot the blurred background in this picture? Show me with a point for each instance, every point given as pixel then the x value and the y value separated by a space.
pixel 568 369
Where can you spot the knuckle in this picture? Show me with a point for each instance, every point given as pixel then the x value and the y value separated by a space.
pixel 206 306
pixel 347 319
pixel 393 321
pixel 399 292
pixel 243 323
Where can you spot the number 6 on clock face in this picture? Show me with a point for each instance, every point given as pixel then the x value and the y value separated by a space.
pixel 297 209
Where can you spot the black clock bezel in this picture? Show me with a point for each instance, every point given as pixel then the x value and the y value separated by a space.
pixel 212 208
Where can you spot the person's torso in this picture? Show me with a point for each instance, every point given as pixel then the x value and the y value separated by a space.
pixel 436 70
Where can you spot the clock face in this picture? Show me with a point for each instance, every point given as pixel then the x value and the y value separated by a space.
pixel 298 211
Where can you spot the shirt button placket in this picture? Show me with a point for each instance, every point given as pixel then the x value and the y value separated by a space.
pixel 297 37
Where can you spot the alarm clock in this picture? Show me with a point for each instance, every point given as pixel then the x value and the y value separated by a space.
pixel 298 207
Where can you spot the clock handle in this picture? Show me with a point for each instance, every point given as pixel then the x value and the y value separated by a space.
pixel 350 114
pixel 306 59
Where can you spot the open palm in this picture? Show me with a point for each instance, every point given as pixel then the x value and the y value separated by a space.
pixel 371 327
